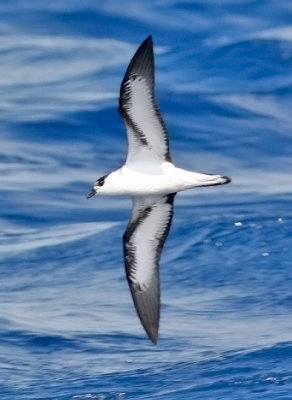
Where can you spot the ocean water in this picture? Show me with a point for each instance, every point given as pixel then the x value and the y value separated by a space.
pixel 68 328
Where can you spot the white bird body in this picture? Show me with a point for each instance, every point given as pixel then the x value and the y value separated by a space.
pixel 142 180
pixel 152 180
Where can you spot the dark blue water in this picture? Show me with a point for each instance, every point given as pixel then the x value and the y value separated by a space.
pixel 68 329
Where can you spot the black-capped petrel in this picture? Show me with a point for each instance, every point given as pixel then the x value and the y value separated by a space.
pixel 150 177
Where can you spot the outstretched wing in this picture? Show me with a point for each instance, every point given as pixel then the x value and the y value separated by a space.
pixel 146 130
pixel 143 242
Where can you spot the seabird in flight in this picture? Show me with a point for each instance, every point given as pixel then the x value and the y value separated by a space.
pixel 152 180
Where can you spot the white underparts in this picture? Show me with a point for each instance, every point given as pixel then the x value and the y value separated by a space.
pixel 165 178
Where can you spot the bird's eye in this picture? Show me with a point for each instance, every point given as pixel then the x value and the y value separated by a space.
pixel 100 181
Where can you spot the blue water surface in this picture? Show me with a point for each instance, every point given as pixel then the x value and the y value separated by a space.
pixel 68 328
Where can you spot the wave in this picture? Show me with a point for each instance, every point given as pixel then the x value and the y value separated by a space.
pixel 63 68
pixel 13 241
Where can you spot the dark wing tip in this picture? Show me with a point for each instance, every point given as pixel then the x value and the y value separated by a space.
pixel 147 44
pixel 147 40
pixel 142 63
pixel 152 333
pixel 145 50
pixel 149 315
pixel 147 304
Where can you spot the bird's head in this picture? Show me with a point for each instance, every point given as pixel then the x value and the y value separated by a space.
pixel 97 187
